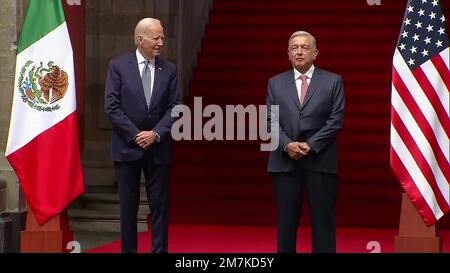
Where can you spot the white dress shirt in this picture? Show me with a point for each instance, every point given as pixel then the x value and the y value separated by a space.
pixel 141 64
pixel 298 81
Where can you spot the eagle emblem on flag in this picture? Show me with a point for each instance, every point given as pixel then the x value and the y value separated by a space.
pixel 42 86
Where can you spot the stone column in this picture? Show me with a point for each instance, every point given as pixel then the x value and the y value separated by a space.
pixel 11 16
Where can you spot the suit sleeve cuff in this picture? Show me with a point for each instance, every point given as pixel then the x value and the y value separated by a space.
pixel 158 138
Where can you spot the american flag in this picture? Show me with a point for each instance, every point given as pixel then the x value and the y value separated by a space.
pixel 420 119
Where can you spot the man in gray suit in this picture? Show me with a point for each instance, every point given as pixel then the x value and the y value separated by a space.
pixel 311 109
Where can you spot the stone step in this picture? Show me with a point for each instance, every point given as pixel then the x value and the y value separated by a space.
pixel 102 225
pixel 108 201
pixel 99 210
pixel 143 206
pixel 101 220
pixel 102 214
pixel 107 198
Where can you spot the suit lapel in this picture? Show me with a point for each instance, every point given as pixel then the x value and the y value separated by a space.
pixel 157 82
pixel 292 89
pixel 136 77
pixel 313 85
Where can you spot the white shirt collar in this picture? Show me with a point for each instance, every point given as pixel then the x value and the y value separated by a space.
pixel 141 59
pixel 308 73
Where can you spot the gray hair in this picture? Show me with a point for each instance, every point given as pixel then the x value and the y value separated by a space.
pixel 302 33
pixel 142 25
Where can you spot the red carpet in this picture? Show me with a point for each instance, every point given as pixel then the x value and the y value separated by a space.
pixel 260 239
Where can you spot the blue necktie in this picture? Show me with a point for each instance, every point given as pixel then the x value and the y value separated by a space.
pixel 147 82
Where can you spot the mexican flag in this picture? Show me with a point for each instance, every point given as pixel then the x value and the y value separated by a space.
pixel 43 146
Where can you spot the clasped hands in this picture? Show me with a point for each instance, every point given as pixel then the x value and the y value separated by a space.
pixel 297 150
pixel 145 139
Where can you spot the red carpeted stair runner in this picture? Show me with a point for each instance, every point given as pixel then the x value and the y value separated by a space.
pixel 245 44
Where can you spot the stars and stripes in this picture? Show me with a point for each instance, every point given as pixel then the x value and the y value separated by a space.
pixel 420 112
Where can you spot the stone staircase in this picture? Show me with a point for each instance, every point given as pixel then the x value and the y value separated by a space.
pixel 98 210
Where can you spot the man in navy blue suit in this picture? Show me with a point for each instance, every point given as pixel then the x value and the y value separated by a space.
pixel 141 90
pixel 311 109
